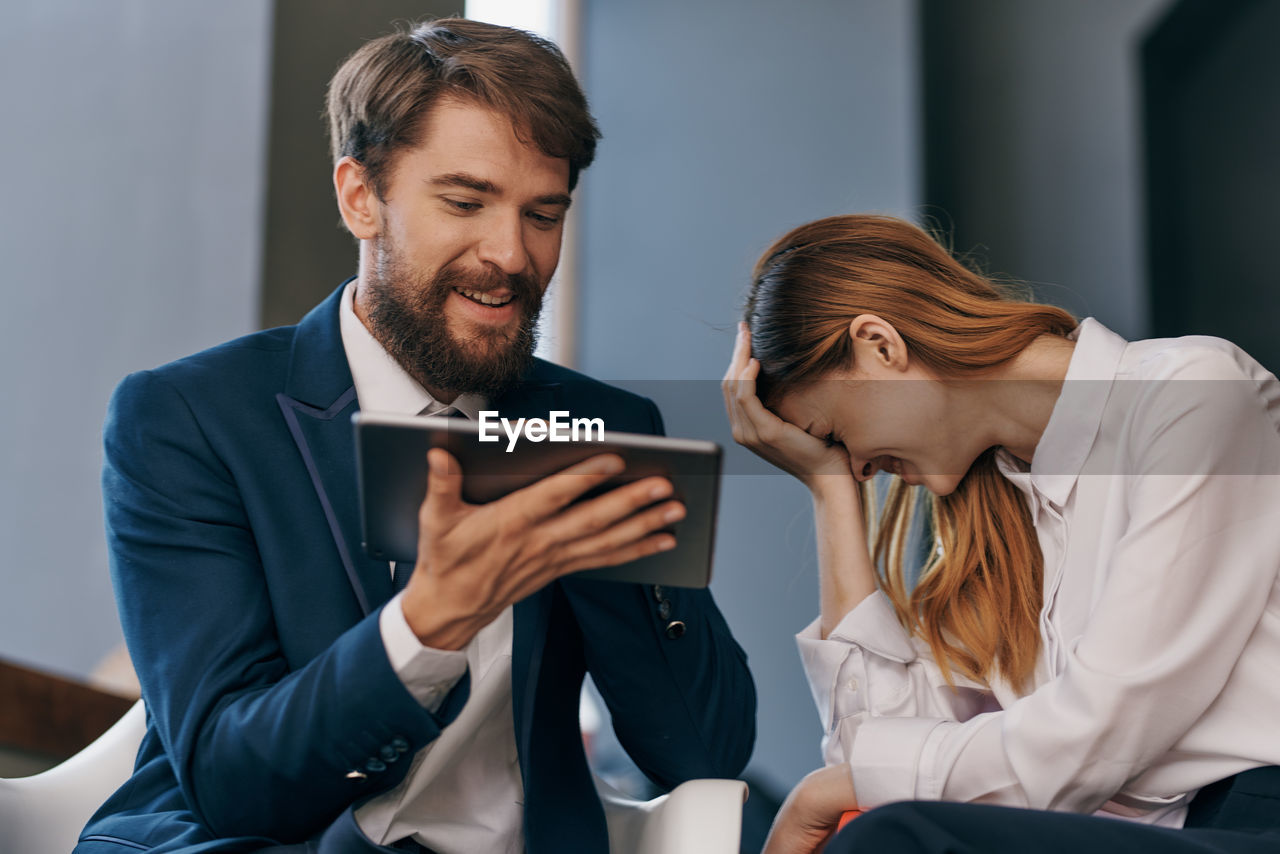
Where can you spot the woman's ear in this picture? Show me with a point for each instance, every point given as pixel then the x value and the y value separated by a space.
pixel 357 202
pixel 876 342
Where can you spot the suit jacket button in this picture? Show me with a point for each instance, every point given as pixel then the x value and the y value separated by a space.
pixel 657 592
pixel 375 765
pixel 664 609
pixel 388 753
pixel 675 629
pixel 400 745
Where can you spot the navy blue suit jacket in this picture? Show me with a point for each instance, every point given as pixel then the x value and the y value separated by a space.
pixel 251 613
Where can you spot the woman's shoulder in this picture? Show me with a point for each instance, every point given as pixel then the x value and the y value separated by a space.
pixel 1190 357
pixel 1189 401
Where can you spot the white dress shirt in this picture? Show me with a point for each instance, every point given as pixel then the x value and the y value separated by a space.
pixel 1155 494
pixel 464 792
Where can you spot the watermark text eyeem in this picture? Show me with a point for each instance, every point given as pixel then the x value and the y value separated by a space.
pixel 559 427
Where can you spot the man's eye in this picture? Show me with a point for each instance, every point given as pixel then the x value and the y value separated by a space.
pixel 463 207
pixel 543 220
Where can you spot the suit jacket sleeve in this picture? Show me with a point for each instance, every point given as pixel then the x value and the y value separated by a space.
pixel 258 747
pixel 683 706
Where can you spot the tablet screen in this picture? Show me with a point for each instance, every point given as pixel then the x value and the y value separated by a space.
pixel 392 450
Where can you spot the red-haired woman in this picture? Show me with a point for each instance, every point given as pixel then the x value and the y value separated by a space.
pixel 1093 629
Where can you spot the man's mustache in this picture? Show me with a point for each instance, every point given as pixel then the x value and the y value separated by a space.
pixel 523 286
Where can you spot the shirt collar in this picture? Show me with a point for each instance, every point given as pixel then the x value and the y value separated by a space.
pixel 1077 415
pixel 382 385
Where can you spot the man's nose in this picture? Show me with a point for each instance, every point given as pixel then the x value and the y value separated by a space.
pixel 863 469
pixel 503 245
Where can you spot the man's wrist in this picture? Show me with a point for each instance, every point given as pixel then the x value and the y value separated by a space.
pixel 435 626
pixel 427 672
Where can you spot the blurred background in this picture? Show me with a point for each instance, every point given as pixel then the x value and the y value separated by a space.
pixel 168 187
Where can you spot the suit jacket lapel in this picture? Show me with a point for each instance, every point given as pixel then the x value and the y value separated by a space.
pixel 317 404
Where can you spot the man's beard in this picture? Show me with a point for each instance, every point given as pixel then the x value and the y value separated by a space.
pixel 407 317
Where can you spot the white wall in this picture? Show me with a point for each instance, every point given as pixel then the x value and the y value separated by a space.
pixel 132 149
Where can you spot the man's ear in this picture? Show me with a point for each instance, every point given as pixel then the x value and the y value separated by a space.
pixel 877 343
pixel 357 202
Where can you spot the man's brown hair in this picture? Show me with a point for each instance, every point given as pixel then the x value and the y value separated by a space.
pixel 378 99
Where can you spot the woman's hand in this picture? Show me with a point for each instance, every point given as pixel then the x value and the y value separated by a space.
pixel 812 811
pixel 755 427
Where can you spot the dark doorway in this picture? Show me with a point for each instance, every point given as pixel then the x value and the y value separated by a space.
pixel 1211 75
pixel 307 252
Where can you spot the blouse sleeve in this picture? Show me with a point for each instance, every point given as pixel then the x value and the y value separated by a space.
pixel 870 673
pixel 1184 588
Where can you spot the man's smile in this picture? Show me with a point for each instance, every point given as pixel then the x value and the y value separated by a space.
pixel 496 300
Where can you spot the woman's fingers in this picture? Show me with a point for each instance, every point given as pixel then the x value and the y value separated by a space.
pixel 757 425
pixel 741 352
pixel 741 403
pixel 729 386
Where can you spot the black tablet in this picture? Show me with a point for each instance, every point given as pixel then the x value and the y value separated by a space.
pixel 498 458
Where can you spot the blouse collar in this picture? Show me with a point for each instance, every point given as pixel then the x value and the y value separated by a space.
pixel 1073 425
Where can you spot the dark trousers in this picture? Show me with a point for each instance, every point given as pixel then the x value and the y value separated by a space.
pixel 1239 815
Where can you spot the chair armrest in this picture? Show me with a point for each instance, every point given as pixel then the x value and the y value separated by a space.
pixel 45 812
pixel 697 817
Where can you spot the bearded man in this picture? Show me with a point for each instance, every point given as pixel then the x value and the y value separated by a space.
pixel 302 696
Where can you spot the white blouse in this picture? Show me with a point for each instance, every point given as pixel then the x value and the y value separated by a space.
pixel 1155 493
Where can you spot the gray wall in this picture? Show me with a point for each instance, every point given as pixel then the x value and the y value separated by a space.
pixel 725 123
pixel 133 150
pixel 1034 148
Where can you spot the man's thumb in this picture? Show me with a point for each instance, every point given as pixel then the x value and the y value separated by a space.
pixel 444 480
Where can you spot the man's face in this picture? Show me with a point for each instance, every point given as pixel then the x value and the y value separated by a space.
pixel 469 236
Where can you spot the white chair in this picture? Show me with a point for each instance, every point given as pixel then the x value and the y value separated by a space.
pixel 44 814
pixel 697 817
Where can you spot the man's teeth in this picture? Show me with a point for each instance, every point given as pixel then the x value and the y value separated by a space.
pixel 485 299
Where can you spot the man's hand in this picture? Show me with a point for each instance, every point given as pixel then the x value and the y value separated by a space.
pixel 811 813
pixel 476 559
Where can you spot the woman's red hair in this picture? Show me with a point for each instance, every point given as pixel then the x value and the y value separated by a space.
pixel 978 596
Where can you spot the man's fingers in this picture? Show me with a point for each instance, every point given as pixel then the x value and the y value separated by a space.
pixel 624 532
pixel 555 492
pixel 603 511
pixel 444 483
pixel 648 546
